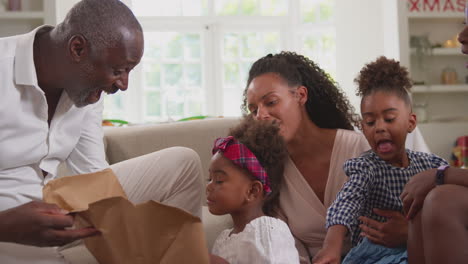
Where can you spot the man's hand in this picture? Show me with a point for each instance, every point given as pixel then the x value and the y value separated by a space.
pixel 415 192
pixel 392 233
pixel 40 224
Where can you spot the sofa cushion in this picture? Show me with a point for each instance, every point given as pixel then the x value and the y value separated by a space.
pixel 124 143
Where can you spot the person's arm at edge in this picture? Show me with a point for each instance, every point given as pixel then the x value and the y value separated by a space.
pixel 217 259
pixel 456 176
pixel 332 245
pixel 421 184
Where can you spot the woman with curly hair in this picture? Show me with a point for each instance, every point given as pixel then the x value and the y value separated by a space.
pixel 246 173
pixel 316 121
pixel 377 177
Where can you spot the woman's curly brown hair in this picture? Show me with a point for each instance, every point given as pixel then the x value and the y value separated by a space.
pixel 385 75
pixel 265 142
pixel 327 105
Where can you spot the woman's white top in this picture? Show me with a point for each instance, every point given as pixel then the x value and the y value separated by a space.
pixel 264 240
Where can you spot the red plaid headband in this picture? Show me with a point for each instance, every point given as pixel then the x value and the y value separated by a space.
pixel 242 157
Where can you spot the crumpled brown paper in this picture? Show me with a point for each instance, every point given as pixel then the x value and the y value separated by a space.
pixel 146 233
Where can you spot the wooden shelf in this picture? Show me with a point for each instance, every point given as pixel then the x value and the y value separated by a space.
pixel 453 119
pixel 440 88
pixel 22 15
pixel 431 15
pixel 442 52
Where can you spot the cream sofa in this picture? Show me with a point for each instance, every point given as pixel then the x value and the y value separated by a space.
pixel 123 143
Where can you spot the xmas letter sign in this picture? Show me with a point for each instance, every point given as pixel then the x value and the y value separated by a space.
pixel 437 6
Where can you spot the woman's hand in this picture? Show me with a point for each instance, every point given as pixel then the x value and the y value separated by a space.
pixel 217 260
pixel 327 255
pixel 415 192
pixel 40 224
pixel 392 233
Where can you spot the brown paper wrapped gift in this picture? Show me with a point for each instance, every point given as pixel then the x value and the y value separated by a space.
pixel 146 233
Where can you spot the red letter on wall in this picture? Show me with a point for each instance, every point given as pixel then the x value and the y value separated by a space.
pixel 435 3
pixel 461 5
pixel 414 5
pixel 449 4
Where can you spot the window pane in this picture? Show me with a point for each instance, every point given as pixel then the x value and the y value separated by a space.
pixel 173 48
pixel 172 74
pixel 231 47
pixel 249 42
pixel 251 7
pixel 313 11
pixel 152 51
pixel 227 7
pixel 326 10
pixel 171 78
pixel 321 48
pixel 308 11
pixel 270 43
pixel 152 75
pixel 231 73
pixel 170 8
pixel 175 103
pixel 194 102
pixel 157 7
pixel 193 74
pixel 236 65
pixel 192 48
pixel 245 67
pixel 273 7
pixel 113 106
pixel 255 45
pixel 153 103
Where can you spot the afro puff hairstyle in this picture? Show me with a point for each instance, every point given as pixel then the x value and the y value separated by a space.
pixel 386 75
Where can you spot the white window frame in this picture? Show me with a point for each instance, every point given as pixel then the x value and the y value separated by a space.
pixel 212 28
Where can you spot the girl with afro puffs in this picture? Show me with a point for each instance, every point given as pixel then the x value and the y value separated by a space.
pixel 378 176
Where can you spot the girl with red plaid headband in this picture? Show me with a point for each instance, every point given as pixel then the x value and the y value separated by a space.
pixel 246 172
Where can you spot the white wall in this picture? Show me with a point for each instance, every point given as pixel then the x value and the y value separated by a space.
pixel 365 29
pixel 57 10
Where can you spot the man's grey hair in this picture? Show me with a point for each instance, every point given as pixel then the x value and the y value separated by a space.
pixel 99 22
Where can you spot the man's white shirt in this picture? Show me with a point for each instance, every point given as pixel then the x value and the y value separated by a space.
pixel 28 145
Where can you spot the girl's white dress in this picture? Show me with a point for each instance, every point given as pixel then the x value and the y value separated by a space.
pixel 264 240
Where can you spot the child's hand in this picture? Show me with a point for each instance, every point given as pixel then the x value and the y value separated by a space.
pixel 327 255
